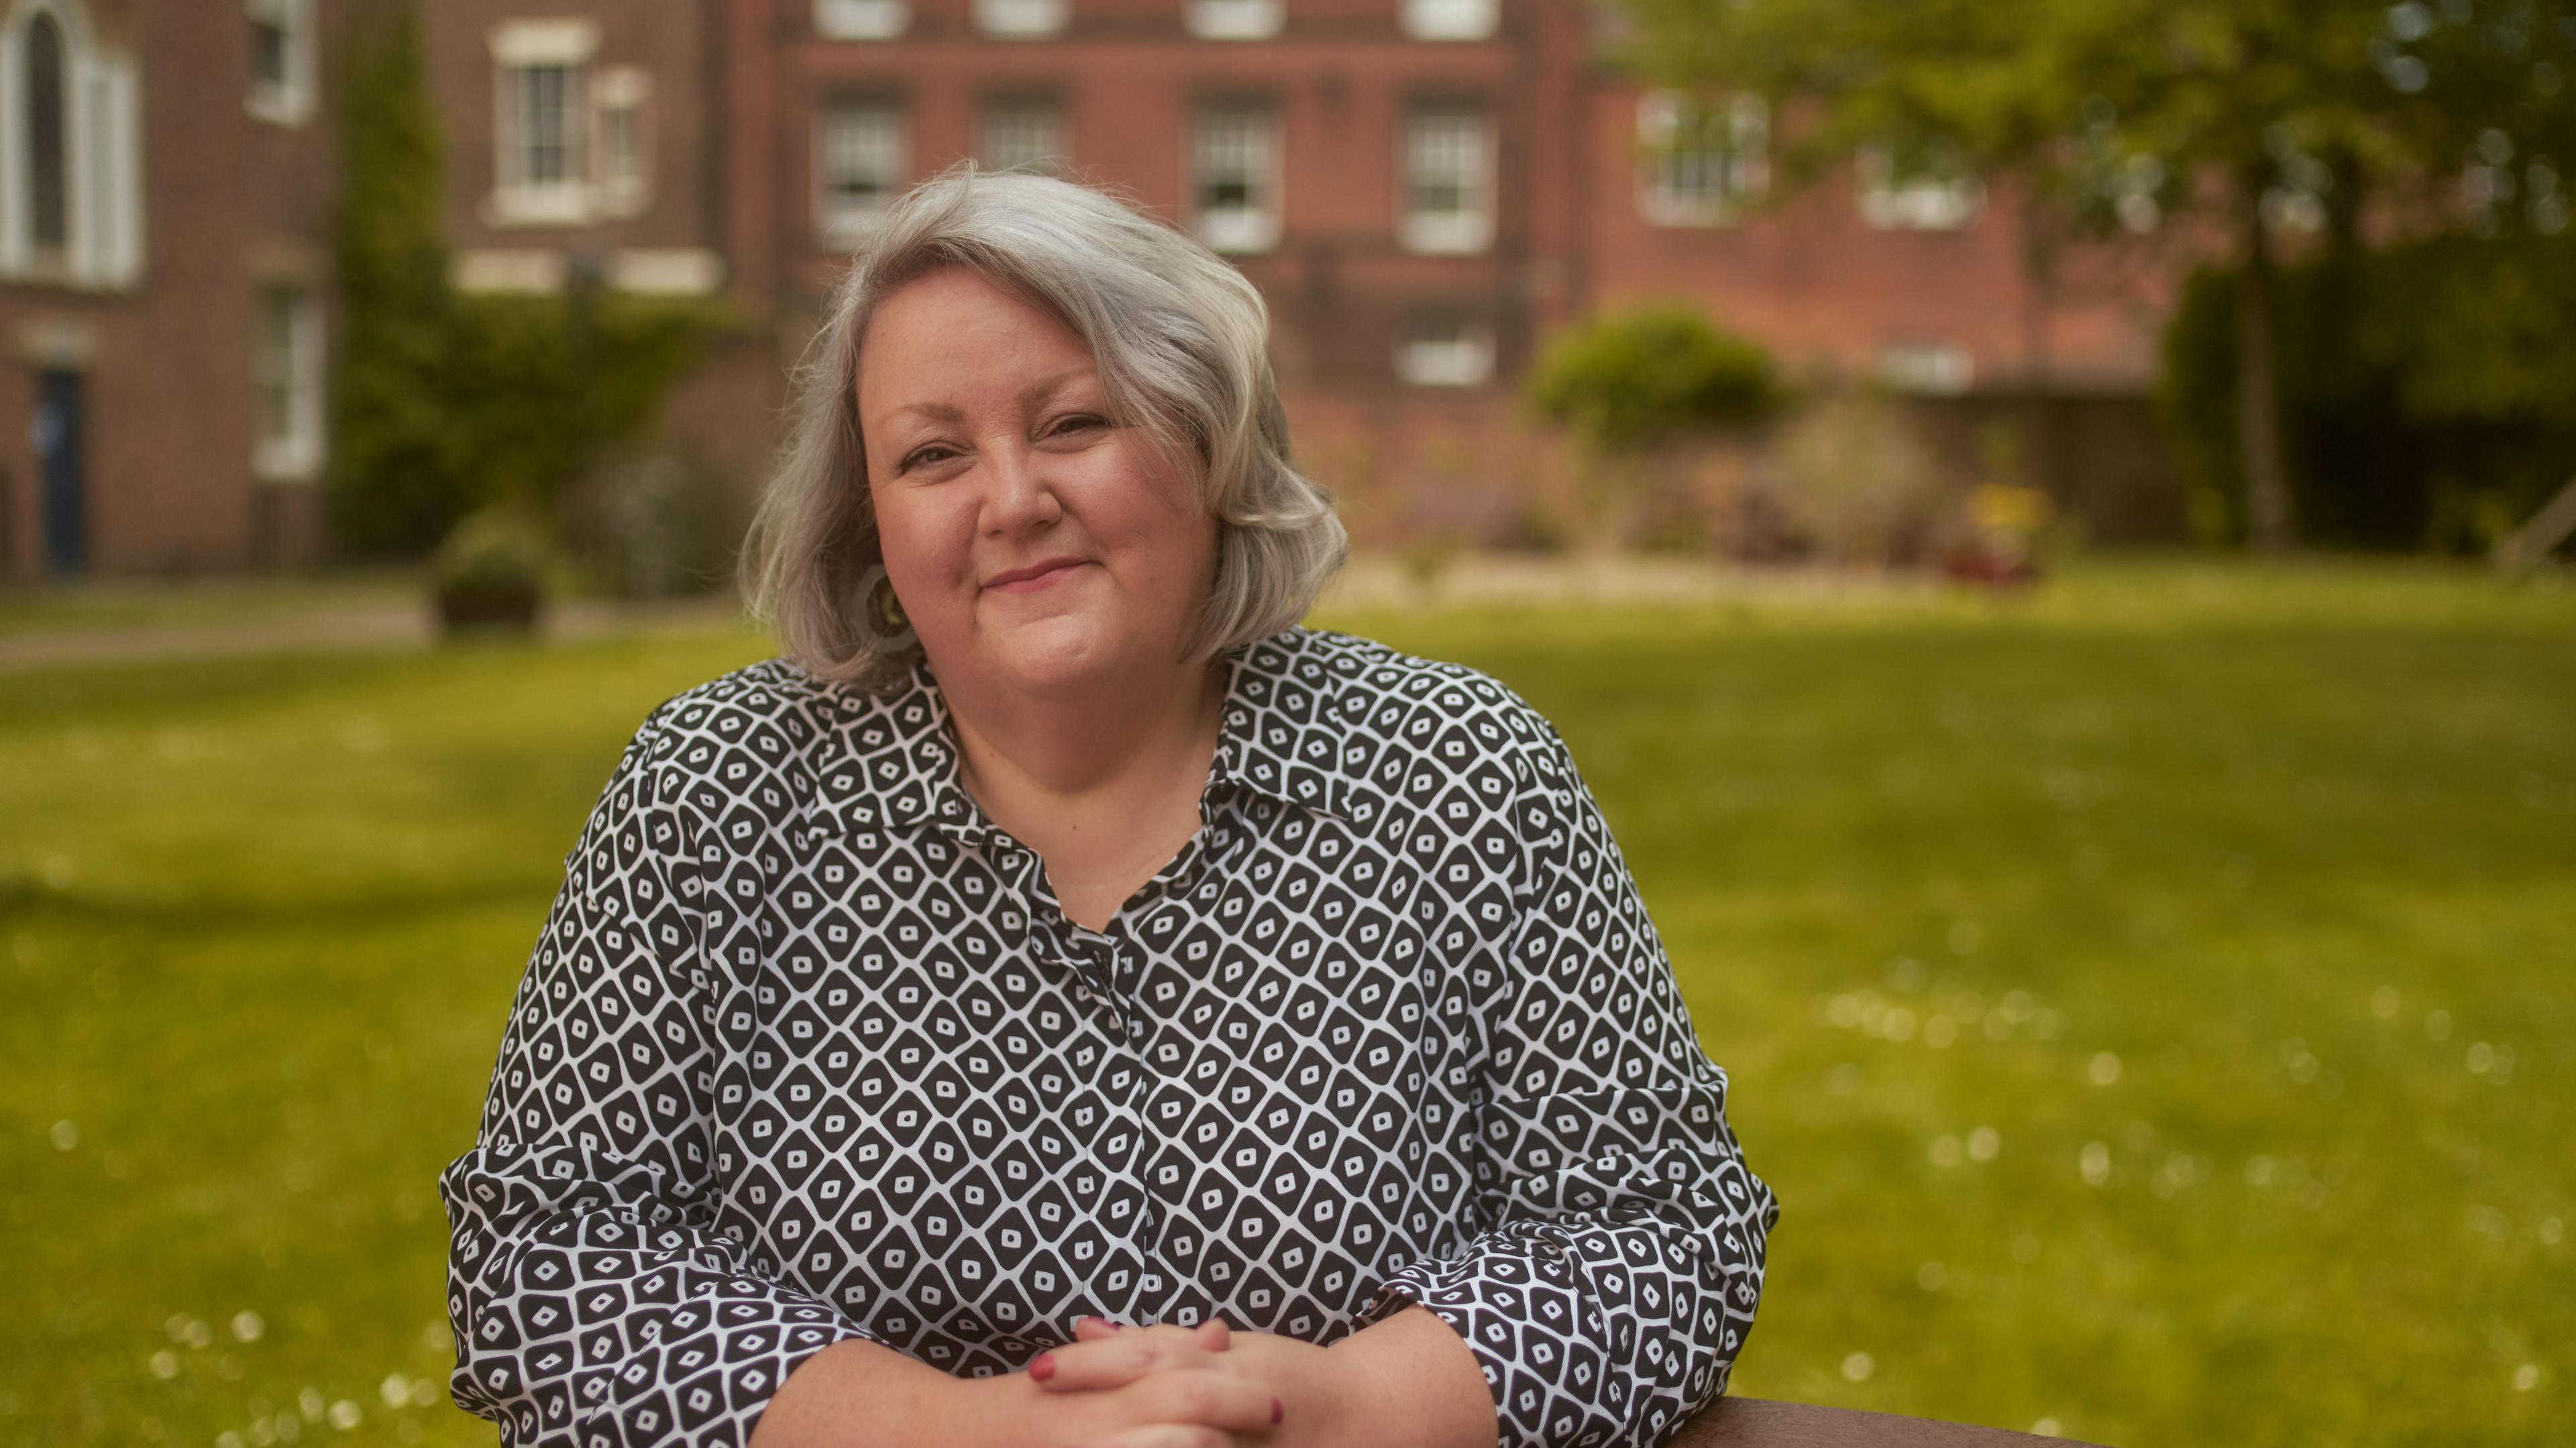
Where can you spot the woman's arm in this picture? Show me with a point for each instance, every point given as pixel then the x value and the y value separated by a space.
pixel 587 1287
pixel 860 1394
pixel 1608 1300
pixel 1416 1385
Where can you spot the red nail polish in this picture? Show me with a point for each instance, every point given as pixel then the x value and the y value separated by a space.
pixel 1044 1367
pixel 1276 1412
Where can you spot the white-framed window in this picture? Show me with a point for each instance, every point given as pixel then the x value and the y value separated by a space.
pixel 1026 18
pixel 1233 19
pixel 1940 369
pixel 622 98
pixel 1020 132
pixel 859 166
pixel 286 380
pixel 861 19
pixel 281 60
pixel 1234 176
pixel 1443 350
pixel 541 122
pixel 1448 180
pixel 1450 19
pixel 71 151
pixel 1700 165
pixel 1938 194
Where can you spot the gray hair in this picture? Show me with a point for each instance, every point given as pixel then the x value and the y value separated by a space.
pixel 1181 341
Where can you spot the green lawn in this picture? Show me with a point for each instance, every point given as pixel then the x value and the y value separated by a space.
pixel 109 605
pixel 2153 1000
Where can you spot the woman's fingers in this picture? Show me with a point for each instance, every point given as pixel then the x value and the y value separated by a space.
pixel 1204 1398
pixel 1115 1359
pixel 1092 1329
pixel 1165 1435
pixel 1194 1409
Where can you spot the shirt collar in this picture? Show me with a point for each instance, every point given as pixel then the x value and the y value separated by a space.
pixel 893 762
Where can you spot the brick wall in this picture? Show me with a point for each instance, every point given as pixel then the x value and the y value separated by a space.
pixel 230 202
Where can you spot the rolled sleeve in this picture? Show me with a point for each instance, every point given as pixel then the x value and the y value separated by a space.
pixel 1609 1297
pixel 592 1301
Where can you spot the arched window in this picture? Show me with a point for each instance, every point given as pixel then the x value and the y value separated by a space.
pixel 48 138
pixel 71 150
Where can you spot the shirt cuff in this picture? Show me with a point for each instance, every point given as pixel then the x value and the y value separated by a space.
pixel 1516 1302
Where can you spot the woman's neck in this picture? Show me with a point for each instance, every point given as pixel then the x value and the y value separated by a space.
pixel 1098 779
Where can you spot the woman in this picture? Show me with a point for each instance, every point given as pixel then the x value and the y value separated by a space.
pixel 1065 935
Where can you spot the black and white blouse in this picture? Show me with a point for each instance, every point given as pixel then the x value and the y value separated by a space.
pixel 809 1051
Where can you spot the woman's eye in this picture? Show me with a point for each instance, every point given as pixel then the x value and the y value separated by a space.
pixel 1079 420
pixel 917 457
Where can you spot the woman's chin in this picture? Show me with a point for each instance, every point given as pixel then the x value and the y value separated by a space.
pixel 1056 655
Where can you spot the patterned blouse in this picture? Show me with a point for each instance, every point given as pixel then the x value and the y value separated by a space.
pixel 809 1051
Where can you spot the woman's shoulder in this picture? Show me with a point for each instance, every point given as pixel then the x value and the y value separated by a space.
pixel 762 715
pixel 1436 703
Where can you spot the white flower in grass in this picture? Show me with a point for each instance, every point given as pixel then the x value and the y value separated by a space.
pixel 2095 1163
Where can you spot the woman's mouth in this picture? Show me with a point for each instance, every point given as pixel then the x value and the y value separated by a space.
pixel 1035 577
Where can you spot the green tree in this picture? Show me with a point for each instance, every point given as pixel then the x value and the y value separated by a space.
pixel 2234 112
pixel 444 403
pixel 392 454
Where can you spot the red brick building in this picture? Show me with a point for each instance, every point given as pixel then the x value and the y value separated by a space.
pixel 164 186
pixel 1424 190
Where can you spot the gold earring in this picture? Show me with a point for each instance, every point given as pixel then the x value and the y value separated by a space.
pixel 882 624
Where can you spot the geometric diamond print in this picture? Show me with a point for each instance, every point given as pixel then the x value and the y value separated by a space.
pixel 807 1050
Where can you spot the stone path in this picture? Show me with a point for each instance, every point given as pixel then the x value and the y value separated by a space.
pixel 337 619
pixel 330 627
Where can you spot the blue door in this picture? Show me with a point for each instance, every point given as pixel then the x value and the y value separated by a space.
pixel 57 429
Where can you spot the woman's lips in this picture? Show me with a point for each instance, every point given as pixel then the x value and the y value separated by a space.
pixel 1033 584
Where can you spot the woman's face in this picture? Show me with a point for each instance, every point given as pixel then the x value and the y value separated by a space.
pixel 991 453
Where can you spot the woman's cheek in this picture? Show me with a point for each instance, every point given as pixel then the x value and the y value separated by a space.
pixel 929 547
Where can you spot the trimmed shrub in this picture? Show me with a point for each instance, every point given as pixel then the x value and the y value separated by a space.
pixel 491 572
pixel 1630 381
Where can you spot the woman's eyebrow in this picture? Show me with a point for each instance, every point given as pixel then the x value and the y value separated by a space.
pixel 1034 392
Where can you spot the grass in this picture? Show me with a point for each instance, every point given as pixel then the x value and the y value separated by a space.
pixel 2152 999
pixel 108 605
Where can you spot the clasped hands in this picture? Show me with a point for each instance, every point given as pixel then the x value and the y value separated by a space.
pixel 1207 1386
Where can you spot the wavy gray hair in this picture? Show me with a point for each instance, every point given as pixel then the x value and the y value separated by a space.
pixel 1181 341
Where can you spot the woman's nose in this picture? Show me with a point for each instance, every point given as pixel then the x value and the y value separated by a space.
pixel 1019 496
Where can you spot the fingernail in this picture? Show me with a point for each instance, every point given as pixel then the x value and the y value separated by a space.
pixel 1044 1367
pixel 1276 1412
